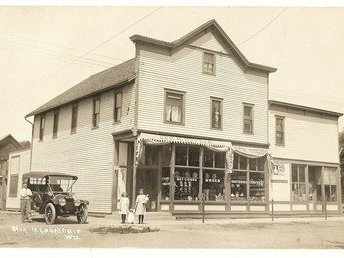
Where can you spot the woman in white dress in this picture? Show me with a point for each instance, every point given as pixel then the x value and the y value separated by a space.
pixel 140 207
pixel 124 206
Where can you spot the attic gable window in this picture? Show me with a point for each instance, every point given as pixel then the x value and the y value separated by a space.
pixel 208 63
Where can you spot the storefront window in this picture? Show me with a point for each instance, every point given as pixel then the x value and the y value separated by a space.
pixel 165 184
pixel 239 185
pixel 220 159
pixel 193 157
pixel 151 154
pixel 298 183
pixel 330 181
pixel 208 158
pixel 213 185
pixel 181 155
pixel 257 187
pixel 186 184
pixel 166 155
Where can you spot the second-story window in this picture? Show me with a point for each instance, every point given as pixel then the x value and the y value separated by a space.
pixel 55 123
pixel 216 113
pixel 118 106
pixel 96 111
pixel 174 107
pixel 74 118
pixel 279 130
pixel 41 127
pixel 248 118
pixel 208 63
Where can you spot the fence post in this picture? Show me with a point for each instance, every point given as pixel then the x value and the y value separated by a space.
pixel 272 209
pixel 203 198
pixel 325 209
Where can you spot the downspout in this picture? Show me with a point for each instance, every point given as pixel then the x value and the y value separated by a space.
pixel 32 125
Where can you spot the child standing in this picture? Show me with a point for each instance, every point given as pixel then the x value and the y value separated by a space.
pixel 131 216
pixel 124 206
pixel 140 207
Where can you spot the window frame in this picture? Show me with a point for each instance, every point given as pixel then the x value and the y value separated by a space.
pixel 95 121
pixel 249 171
pixel 56 116
pixel 115 107
pixel 204 53
pixel 176 92
pixel 11 193
pixel 41 128
pixel 283 131
pixel 251 117
pixel 73 126
pixel 220 100
pixel 305 183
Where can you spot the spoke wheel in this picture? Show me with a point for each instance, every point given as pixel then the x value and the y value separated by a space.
pixel 50 214
pixel 83 214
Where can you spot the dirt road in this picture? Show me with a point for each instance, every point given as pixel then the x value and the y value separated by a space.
pixel 259 233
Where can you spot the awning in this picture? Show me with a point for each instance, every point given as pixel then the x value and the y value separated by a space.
pixel 219 146
pixel 166 139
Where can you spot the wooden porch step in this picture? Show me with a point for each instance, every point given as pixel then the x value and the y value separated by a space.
pixel 154 216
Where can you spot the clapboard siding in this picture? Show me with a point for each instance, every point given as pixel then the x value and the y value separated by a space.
pixel 87 153
pixel 306 138
pixel 24 167
pixel 208 41
pixel 183 71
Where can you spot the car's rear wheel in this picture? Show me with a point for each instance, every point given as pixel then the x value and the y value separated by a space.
pixel 50 214
pixel 82 214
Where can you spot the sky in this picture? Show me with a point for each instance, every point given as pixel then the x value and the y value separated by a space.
pixel 46 50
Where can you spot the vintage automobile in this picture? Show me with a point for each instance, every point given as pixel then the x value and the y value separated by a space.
pixel 52 196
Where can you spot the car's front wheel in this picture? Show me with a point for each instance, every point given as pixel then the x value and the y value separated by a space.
pixel 82 214
pixel 50 214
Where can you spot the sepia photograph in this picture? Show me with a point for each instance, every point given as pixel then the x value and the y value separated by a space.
pixel 179 127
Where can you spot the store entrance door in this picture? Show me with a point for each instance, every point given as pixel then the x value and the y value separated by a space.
pixel 314 186
pixel 147 179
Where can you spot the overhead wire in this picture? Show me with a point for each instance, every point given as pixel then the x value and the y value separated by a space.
pixel 89 51
pixel 264 27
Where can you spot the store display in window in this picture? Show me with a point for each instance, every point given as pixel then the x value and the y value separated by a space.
pixel 239 186
pixel 186 184
pixel 257 187
pixel 213 185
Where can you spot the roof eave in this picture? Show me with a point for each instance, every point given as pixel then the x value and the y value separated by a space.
pixel 83 97
pixel 170 45
pixel 281 103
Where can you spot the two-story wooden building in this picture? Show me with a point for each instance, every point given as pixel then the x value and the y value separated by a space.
pixel 182 119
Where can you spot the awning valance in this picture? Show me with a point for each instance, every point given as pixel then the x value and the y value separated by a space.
pixel 166 139
pixel 219 146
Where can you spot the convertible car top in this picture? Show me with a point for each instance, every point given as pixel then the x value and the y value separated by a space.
pixel 41 174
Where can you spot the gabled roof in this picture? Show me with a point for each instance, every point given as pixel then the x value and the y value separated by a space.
pixel 210 24
pixel 102 81
pixel 286 104
pixel 4 140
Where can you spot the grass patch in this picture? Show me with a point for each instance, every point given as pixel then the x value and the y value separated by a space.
pixel 123 230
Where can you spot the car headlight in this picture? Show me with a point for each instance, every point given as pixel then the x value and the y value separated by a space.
pixel 77 202
pixel 62 201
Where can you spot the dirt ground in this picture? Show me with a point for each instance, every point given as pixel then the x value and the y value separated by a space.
pixel 253 233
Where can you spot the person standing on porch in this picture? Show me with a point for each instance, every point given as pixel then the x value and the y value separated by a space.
pixel 140 206
pixel 25 203
pixel 124 206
